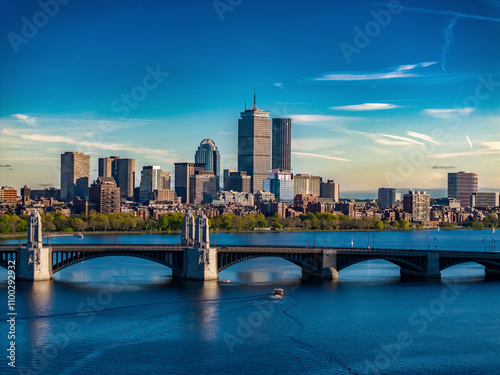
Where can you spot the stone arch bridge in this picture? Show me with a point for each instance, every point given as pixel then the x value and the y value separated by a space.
pixel 195 259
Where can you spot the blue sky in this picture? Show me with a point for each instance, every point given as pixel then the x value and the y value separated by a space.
pixel 378 95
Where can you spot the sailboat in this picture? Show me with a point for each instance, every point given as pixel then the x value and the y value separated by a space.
pixel 493 231
pixel 352 242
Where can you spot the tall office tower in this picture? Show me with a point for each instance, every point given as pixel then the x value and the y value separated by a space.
pixel 484 199
pixel 282 144
pixel 330 189
pixel 418 204
pixel 306 184
pixel 122 170
pixel 238 181
pixel 165 180
pixel 254 145
pixel 208 154
pixel 124 175
pixel 386 197
pixel 183 172
pixel 280 183
pixel 150 180
pixel 105 194
pixel 461 185
pixel 106 166
pixel 226 174
pixel 203 187
pixel 75 175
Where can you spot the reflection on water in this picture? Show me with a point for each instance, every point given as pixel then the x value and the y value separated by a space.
pixel 40 298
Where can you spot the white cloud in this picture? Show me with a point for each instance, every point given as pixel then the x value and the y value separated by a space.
pixel 365 107
pixel 448 113
pixel 316 118
pixel 318 156
pixel 425 137
pixel 26 119
pixel 468 140
pixel 492 148
pixel 278 84
pixel 308 144
pixel 401 71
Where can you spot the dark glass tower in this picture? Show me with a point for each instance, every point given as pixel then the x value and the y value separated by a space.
pixel 208 154
pixel 254 145
pixel 282 144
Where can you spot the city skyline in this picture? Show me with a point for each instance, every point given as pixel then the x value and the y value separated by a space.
pixel 400 104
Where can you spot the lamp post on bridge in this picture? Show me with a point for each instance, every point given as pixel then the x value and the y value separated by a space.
pixel 427 238
pixel 484 240
pixel 434 245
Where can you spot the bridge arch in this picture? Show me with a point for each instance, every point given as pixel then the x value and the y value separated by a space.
pixel 238 258
pixel 401 263
pixel 457 262
pixel 75 259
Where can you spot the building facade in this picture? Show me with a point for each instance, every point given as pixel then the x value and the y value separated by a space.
pixel 484 199
pixel 254 145
pixel 239 181
pixel 150 181
pixel 183 173
pixel 386 197
pixel 418 204
pixel 281 144
pixel 8 195
pixel 75 176
pixel 330 189
pixel 105 194
pixel 461 185
pixel 208 154
pixel 122 170
pixel 203 187
pixel 280 183
pixel 306 184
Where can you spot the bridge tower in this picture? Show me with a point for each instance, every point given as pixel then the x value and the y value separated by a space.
pixel 34 262
pixel 200 260
pixel 187 238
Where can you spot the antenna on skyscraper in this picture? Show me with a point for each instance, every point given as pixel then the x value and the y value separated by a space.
pixel 254 106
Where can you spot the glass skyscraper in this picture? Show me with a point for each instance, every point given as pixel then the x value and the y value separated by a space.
pixel 254 145
pixel 461 185
pixel 208 154
pixel 282 144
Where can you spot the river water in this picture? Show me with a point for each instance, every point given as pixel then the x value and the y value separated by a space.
pixel 129 316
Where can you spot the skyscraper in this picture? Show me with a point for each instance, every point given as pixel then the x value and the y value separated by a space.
pixel 105 194
pixel 306 184
pixel 183 173
pixel 122 170
pixel 254 145
pixel 461 185
pixel 330 189
pixel 280 183
pixel 150 180
pixel 418 204
pixel 75 175
pixel 208 154
pixel 386 197
pixel 282 144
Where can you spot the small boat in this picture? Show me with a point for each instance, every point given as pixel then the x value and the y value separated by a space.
pixel 225 281
pixel 279 292
pixel 493 231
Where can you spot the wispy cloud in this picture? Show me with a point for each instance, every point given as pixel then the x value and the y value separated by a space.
pixel 468 140
pixel 448 41
pixel 401 71
pixel 448 113
pixel 441 167
pixel 317 118
pixel 307 154
pixel 44 138
pixel 308 144
pixel 26 119
pixel 425 137
pixel 444 13
pixel 491 148
pixel 365 107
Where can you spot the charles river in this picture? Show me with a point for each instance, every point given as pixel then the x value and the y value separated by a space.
pixel 121 315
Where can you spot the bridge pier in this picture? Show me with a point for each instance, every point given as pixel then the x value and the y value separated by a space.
pixel 200 261
pixel 431 272
pixel 327 263
pixel 492 273
pixel 34 262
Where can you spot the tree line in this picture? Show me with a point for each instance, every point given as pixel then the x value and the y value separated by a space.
pixel 172 222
